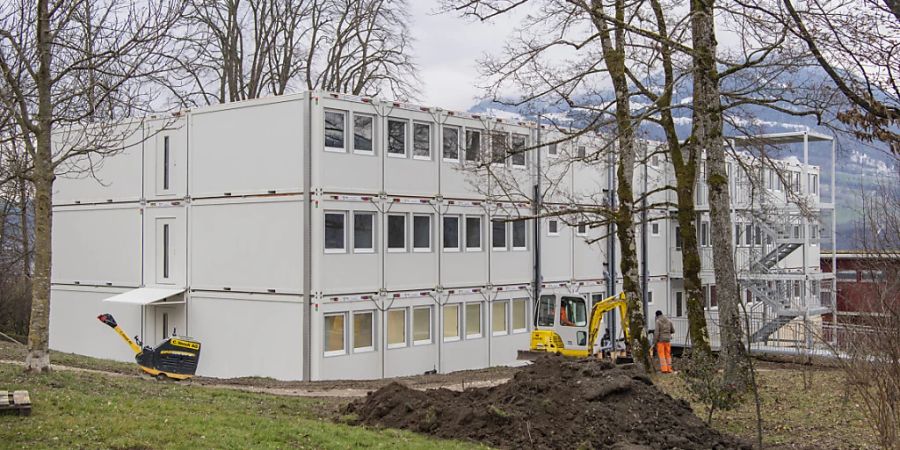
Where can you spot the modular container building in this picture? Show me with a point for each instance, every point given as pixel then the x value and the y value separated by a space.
pixel 325 236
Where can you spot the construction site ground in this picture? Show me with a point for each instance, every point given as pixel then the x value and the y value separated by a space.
pixel 92 403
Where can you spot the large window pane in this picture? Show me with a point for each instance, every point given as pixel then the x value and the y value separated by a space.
pixel 451 143
pixel 451 232
pixel 473 233
pixel 573 312
pixel 363 131
pixel 396 328
pixel 519 233
pixel 546 313
pixel 498 234
pixel 519 143
pixel 422 232
pixel 364 231
pixel 422 325
pixel 451 322
pixel 334 334
pixel 422 140
pixel 473 320
pixel 396 137
pixel 498 317
pixel 396 232
pixel 334 231
pixel 363 331
pixel 334 129
pixel 519 314
pixel 473 145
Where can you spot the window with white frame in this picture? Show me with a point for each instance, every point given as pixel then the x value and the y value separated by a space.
pixel 363 134
pixel 451 322
pixel 582 151
pixel 650 297
pixel 519 235
pixel 451 233
pixel 654 228
pixel 335 334
pixel 164 227
pixel 363 331
pixel 738 234
pixel 396 137
pixel 813 183
pixel 473 233
pixel 678 241
pixel 335 231
pixel 498 234
pixel 518 144
pixel 757 233
pixel 473 320
pixel 553 150
pixel 704 234
pixel 581 230
pixel 363 232
pixel 473 145
pixel 396 328
pixel 422 232
pixel 679 304
pixel 748 234
pixel 166 165
pixel 553 227
pixel 450 143
pixel 421 140
pixel 519 315
pixel 498 148
pixel 498 318
pixel 335 126
pixel 421 325
pixel 396 232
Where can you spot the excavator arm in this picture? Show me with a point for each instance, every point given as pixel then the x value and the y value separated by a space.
pixel 111 321
pixel 602 307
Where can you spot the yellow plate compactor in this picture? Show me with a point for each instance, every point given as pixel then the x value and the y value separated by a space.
pixel 175 357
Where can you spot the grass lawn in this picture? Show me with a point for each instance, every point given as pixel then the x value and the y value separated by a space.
pixel 84 410
pixel 793 417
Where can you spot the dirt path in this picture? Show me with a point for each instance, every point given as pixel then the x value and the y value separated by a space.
pixel 336 389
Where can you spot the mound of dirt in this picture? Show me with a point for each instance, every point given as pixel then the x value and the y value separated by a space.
pixel 555 402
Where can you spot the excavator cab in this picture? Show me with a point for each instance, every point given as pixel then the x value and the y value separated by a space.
pixel 569 325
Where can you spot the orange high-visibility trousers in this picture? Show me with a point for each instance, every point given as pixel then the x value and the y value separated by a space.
pixel 664 352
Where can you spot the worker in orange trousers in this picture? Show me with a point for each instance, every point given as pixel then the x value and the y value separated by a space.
pixel 663 337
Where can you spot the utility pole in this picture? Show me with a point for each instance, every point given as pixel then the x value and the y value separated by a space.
pixel 645 272
pixel 537 204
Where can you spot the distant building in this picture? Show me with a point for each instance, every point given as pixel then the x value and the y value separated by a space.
pixel 865 282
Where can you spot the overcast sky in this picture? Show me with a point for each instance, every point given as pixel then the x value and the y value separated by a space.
pixel 447 47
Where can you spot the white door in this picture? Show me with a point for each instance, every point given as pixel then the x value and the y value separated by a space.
pixel 165 323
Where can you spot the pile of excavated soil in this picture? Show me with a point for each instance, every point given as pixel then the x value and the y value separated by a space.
pixel 554 403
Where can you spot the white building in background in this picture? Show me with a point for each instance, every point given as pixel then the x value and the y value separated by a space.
pixel 324 236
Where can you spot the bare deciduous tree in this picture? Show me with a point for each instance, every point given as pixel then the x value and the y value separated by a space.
pixel 70 69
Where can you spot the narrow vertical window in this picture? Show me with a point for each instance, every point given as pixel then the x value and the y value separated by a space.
pixel 498 234
pixel 421 325
pixel 473 320
pixel 553 150
pixel 334 335
pixel 363 133
pixel 519 235
pixel 581 230
pixel 582 151
pixel 450 141
pixel 363 232
pixel 748 234
pixel 553 227
pixel 421 141
pixel 473 145
pixel 451 322
pixel 519 315
pixel 678 239
pixel 654 229
pixel 498 148
pixel 422 233
pixel 519 143
pixel 335 232
pixel 363 332
pixel 397 138
pixel 396 328
pixel 473 233
pixel 451 233
pixel 396 229
pixel 334 130
pixel 166 162
pixel 165 325
pixel 679 304
pixel 704 234
pixel 166 251
pixel 498 317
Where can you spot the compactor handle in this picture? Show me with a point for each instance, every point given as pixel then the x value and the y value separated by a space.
pixel 111 321
pixel 108 319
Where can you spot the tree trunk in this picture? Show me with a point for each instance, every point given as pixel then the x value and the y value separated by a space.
pixel 38 358
pixel 707 131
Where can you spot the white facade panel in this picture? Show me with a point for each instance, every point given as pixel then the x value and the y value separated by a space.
pixel 358 326
pixel 97 179
pixel 556 251
pixel 352 160
pixel 247 245
pixel 253 147
pixel 97 245
pixel 467 264
pixel 74 327
pixel 165 245
pixel 357 266
pixel 245 336
pixel 467 350
pixel 407 267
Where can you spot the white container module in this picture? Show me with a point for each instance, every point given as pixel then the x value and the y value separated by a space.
pixel 326 236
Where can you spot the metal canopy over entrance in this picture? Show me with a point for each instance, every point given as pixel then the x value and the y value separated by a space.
pixel 148 296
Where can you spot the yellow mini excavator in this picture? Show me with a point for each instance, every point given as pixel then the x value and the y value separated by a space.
pixel 563 326
pixel 175 357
